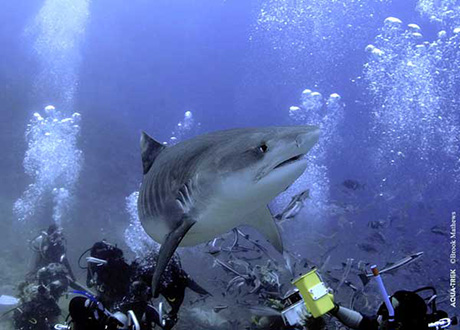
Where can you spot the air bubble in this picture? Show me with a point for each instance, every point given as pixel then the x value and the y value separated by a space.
pixel 49 108
pixel 414 28
pixel 393 22
pixel 377 52
pixel 53 162
pixel 335 96
pixel 135 236
pixel 369 48
pixel 316 95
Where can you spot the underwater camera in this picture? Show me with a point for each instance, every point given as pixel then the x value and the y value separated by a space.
pixel 312 297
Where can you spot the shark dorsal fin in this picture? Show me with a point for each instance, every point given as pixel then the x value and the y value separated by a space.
pixel 150 149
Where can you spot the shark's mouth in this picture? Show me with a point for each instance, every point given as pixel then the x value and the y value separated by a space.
pixel 289 161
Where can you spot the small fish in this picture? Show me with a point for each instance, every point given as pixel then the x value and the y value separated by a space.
pixel 392 267
pixel 367 247
pixel 235 239
pixel 345 282
pixel 219 308
pixel 352 184
pixel 325 263
pixel 255 243
pixel 263 310
pixel 439 231
pixel 213 248
pixel 377 237
pixel 250 259
pixel 346 272
pixel 351 285
pixel 294 207
pixel 377 224
pixel 226 267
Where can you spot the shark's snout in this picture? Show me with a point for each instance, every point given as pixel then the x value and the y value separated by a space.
pixel 307 139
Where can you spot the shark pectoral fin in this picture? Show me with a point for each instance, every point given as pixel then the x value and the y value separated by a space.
pixel 167 249
pixel 263 221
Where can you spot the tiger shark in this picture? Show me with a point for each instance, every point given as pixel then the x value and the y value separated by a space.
pixel 201 188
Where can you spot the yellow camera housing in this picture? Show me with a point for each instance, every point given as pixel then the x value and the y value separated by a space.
pixel 315 294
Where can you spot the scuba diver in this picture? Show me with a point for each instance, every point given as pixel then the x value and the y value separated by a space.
pixel 410 313
pixel 404 310
pixel 119 302
pixel 123 287
pixel 108 273
pixel 38 310
pixel 173 282
pixel 50 247
pixel 48 280
pixel 86 313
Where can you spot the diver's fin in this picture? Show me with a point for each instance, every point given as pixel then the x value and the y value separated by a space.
pixel 6 300
pixel 77 286
pixel 167 249
pixel 149 151
pixel 8 304
pixel 192 285
pixel 263 221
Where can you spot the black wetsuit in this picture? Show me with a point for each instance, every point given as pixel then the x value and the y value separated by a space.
pixel 112 279
pixel 48 252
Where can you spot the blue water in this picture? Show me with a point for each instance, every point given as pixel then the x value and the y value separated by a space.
pixel 385 94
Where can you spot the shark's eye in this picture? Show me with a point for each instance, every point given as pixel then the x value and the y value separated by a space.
pixel 263 148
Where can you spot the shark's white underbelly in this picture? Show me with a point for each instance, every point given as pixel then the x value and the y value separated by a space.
pixel 216 220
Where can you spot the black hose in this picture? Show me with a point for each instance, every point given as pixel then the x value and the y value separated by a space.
pixel 81 256
pixel 433 301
